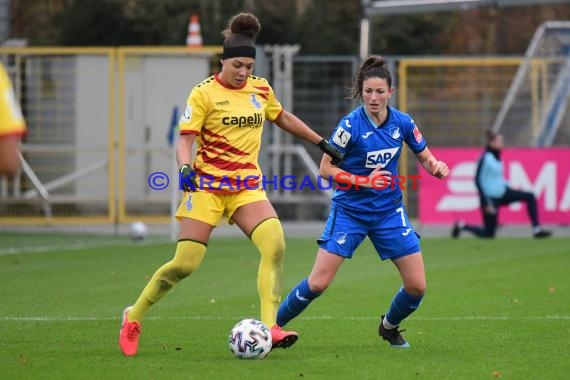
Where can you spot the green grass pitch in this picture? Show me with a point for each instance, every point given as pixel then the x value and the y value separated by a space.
pixel 493 309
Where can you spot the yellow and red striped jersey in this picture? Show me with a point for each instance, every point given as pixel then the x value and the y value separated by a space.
pixel 228 123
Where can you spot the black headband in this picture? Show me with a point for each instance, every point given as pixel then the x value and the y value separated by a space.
pixel 238 51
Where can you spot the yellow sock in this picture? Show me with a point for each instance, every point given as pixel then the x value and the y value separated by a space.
pixel 187 259
pixel 269 240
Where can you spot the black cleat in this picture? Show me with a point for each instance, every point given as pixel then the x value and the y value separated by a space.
pixel 542 234
pixel 455 231
pixel 393 336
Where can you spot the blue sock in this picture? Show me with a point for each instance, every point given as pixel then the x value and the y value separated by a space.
pixel 402 305
pixel 296 301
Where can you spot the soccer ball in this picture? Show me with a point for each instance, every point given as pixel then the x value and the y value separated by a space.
pixel 250 339
pixel 138 231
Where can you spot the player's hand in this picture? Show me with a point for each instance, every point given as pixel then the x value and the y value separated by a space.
pixel 187 178
pixel 326 147
pixel 379 178
pixel 440 170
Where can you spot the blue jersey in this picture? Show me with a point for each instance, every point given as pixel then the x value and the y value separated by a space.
pixel 366 146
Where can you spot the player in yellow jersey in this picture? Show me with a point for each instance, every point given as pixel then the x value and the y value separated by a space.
pixel 12 127
pixel 225 116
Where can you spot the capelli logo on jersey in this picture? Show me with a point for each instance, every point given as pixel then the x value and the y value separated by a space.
pixel 380 157
pixel 251 121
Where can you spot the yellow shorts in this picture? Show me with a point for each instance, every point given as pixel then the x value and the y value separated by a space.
pixel 209 207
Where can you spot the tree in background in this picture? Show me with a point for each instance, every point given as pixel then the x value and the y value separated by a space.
pixel 33 20
pixel 278 21
pixel 154 22
pixel 214 16
pixel 414 34
pixel 318 26
pixel 498 30
pixel 93 23
pixel 329 27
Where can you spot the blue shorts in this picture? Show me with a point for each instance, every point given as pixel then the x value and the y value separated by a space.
pixel 390 233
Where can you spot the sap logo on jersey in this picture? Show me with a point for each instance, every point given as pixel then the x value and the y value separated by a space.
pixel 380 157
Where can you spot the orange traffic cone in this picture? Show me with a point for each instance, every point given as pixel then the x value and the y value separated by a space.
pixel 194 38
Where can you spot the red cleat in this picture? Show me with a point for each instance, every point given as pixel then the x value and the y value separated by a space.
pixel 282 339
pixel 129 335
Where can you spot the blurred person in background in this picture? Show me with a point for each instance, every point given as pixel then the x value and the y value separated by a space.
pixel 371 138
pixel 12 127
pixel 494 192
pixel 225 116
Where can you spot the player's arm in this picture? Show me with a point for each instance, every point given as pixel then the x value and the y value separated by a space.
pixel 190 126
pixel 331 172
pixel 9 155
pixel 328 170
pixel 184 157
pixel 378 178
pixel 295 126
pixel 184 148
pixel 432 165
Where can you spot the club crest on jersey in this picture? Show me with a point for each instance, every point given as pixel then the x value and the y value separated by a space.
pixel 395 133
pixel 187 115
pixel 255 102
pixel 380 157
pixel 341 137
pixel 341 237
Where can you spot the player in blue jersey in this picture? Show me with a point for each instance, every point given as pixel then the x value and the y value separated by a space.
pixel 368 200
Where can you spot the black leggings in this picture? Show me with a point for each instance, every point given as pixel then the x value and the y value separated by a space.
pixel 490 221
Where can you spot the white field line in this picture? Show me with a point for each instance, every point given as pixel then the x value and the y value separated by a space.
pixel 48 248
pixel 317 318
pixel 73 246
